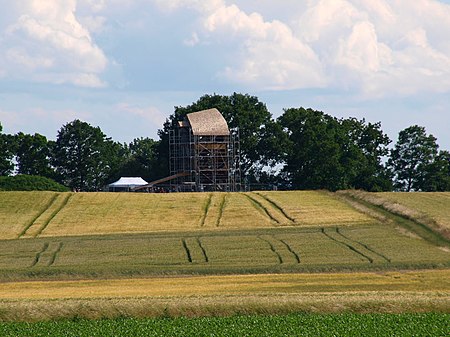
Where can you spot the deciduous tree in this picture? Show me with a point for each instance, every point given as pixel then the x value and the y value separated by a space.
pixel 409 159
pixel 33 155
pixel 83 156
pixel 6 153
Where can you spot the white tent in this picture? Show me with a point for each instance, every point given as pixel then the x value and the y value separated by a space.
pixel 126 184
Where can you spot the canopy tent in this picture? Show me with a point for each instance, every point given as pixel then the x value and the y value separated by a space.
pixel 126 184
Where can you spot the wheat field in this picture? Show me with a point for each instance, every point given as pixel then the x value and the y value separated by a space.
pixel 48 214
pixel 124 253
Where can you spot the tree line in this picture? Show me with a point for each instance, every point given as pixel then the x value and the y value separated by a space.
pixel 301 149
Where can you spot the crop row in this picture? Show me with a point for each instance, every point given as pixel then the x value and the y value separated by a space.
pixel 289 249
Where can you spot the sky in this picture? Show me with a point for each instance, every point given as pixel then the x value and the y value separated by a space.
pixel 123 65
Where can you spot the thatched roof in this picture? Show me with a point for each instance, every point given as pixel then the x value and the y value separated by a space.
pixel 208 123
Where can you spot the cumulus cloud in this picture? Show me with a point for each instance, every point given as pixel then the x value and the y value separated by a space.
pixel 47 43
pixel 381 47
pixel 268 55
pixel 376 47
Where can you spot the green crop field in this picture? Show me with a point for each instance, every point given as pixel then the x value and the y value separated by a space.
pixel 288 325
pixel 65 237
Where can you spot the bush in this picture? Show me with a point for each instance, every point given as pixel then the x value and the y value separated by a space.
pixel 30 183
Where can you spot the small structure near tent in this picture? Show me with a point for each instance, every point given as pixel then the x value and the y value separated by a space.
pixel 126 184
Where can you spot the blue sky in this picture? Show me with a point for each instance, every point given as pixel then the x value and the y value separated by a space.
pixel 124 64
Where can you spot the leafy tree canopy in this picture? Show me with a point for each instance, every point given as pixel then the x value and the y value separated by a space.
pixel 24 182
pixel 84 157
pixel 33 155
pixel 7 145
pixel 411 157
pixel 141 159
pixel 325 152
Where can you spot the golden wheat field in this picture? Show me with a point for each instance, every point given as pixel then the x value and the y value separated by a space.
pixel 46 214
pixel 259 251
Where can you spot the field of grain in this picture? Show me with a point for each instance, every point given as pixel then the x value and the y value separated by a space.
pixel 433 205
pixel 215 295
pixel 24 215
pixel 227 253
pixel 274 250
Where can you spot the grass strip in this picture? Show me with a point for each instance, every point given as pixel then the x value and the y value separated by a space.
pixel 410 223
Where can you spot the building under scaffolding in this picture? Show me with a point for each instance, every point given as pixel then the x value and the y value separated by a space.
pixel 204 154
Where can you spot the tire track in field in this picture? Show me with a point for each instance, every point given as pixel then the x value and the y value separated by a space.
pixel 221 209
pixel 41 222
pixel 49 253
pixel 368 258
pixel 272 248
pixel 55 254
pixel 364 245
pixel 45 208
pixel 194 250
pixel 55 212
pixel 202 248
pixel 37 258
pixel 276 206
pixel 289 248
pixel 260 207
pixel 187 250
pixel 206 209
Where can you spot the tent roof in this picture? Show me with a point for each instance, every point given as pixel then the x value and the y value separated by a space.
pixel 129 181
pixel 208 123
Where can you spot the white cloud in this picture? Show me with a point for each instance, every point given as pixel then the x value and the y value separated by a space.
pixel 376 47
pixel 381 47
pixel 268 55
pixel 47 41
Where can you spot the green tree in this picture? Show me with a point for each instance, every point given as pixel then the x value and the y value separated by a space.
pixel 142 159
pixel 7 145
pixel 436 177
pixel 33 155
pixel 369 146
pixel 326 152
pixel 84 157
pixel 410 158
pixel 313 155
pixel 256 127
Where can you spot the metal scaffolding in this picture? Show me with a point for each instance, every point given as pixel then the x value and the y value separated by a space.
pixel 204 160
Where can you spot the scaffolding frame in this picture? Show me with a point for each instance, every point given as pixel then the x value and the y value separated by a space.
pixel 209 162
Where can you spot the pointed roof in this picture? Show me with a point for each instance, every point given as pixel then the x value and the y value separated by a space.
pixel 208 123
pixel 129 182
